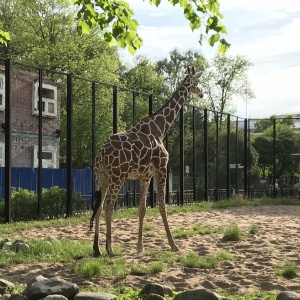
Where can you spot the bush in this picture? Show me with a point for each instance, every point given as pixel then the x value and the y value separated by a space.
pixel 54 202
pixel 24 205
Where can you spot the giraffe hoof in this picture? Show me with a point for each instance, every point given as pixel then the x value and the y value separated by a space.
pixel 97 254
pixel 140 250
pixel 175 248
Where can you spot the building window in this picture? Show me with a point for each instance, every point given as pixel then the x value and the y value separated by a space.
pixel 49 100
pixel 2 92
pixel 49 154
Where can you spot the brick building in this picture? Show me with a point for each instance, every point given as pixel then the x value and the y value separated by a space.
pixel 25 121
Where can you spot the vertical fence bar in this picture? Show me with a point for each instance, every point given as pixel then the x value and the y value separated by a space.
pixel 274 157
pixel 236 156
pixel 228 158
pixel 151 187
pixel 40 144
pixel 168 172
pixel 69 145
pixel 205 154
pixel 194 153
pixel 93 140
pixel 217 159
pixel 7 217
pixel 115 110
pixel 133 123
pixel 246 161
pixel 181 175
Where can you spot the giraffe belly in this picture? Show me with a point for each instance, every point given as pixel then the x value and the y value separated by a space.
pixel 141 172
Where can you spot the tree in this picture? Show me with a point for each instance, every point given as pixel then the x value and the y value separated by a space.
pixel 143 80
pixel 287 142
pixel 116 17
pixel 44 34
pixel 224 79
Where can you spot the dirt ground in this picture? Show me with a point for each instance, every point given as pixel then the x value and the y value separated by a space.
pixel 256 257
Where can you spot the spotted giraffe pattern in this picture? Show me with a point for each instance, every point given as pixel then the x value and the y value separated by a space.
pixel 138 153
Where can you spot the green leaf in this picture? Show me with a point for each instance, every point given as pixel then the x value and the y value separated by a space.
pixel 84 27
pixel 213 6
pixel 121 43
pixel 174 2
pixel 155 2
pixel 213 39
pixel 223 46
pixel 131 49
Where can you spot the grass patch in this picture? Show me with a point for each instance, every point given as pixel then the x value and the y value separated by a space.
pixel 164 256
pixel 255 230
pixel 232 233
pixel 193 260
pixel 63 250
pixel 139 269
pixel 179 233
pixel 107 267
pixel 288 270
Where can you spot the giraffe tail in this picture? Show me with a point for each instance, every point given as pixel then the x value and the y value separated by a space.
pixel 97 197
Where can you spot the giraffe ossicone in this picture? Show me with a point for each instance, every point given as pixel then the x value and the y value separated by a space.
pixel 138 153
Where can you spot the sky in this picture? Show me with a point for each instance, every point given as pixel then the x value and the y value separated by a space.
pixel 265 32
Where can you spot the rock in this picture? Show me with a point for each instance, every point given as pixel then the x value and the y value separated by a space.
pixel 6 286
pixel 7 245
pixel 52 286
pixel 199 294
pixel 154 288
pixel 94 296
pixel 286 295
pixel 2 242
pixel 19 246
pixel 17 297
pixel 55 297
pixel 154 297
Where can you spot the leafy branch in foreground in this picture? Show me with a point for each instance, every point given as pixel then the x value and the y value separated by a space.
pixel 116 18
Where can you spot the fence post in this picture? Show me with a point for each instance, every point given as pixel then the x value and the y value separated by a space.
pixel 217 159
pixel 246 158
pixel 40 144
pixel 228 158
pixel 205 152
pixel 93 140
pixel 69 145
pixel 194 154
pixel 274 157
pixel 151 187
pixel 115 110
pixel 181 175
pixel 7 127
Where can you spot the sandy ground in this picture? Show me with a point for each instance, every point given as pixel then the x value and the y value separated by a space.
pixel 253 269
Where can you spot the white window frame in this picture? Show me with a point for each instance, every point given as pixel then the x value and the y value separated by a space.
pixel 2 154
pixel 2 91
pixel 46 163
pixel 46 101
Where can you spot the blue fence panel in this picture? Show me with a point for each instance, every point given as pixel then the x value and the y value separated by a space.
pixel 27 178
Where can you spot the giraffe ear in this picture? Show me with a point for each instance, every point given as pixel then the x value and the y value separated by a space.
pixel 198 75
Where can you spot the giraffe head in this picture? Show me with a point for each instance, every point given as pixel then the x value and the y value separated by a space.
pixel 194 81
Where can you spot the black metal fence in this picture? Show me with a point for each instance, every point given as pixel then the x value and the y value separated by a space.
pixel 211 155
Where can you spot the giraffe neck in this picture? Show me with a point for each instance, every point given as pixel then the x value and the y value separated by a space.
pixel 158 123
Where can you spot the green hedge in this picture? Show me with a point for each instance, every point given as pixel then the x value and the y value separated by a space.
pixel 24 204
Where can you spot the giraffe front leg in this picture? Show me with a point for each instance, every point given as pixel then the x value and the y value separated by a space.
pixel 109 208
pixel 144 184
pixel 161 182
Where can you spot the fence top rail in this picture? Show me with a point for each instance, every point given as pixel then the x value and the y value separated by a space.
pixel 120 88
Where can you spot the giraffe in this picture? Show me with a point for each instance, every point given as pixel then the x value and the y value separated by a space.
pixel 138 153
